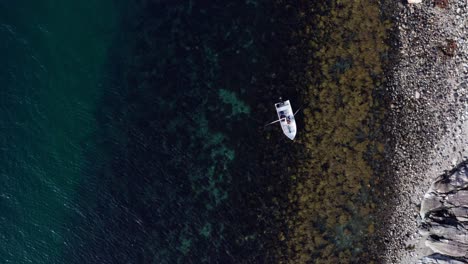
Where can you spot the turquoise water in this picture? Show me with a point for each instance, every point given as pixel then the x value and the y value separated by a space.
pixel 53 54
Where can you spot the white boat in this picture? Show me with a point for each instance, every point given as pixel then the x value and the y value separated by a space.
pixel 286 118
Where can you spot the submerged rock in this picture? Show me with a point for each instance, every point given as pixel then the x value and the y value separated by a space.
pixel 444 211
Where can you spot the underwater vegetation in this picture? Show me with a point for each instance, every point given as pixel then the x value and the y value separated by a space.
pixel 340 52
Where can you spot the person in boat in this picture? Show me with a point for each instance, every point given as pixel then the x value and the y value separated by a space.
pixel 282 115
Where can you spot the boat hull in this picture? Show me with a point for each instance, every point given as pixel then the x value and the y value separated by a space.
pixel 286 117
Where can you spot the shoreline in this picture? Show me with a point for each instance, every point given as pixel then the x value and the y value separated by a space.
pixel 428 115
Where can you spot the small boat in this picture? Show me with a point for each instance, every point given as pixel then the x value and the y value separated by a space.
pixel 286 118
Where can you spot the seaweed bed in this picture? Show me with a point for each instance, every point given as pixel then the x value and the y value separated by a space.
pixel 332 203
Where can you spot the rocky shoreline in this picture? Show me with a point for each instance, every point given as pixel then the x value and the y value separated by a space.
pixel 444 213
pixel 428 89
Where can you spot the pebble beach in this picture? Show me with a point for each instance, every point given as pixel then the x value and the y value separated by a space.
pixel 429 92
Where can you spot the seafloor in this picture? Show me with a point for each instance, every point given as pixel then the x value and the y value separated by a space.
pixel 195 175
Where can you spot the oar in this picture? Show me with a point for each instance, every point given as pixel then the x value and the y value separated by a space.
pixel 297 110
pixel 275 121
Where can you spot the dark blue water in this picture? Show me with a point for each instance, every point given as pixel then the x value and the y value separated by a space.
pixel 133 133
pixel 53 57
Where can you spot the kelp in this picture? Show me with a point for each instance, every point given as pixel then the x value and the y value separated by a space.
pixel 340 49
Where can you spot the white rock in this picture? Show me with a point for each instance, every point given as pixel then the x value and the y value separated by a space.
pixel 414 1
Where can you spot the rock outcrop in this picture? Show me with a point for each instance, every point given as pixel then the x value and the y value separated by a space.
pixel 444 214
pixel 440 259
